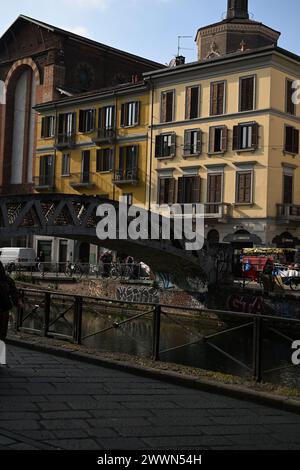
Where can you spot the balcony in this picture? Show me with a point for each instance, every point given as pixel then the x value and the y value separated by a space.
pixel 126 176
pixel 44 183
pixel 82 181
pixel 219 211
pixel 288 213
pixel 65 141
pixel 105 136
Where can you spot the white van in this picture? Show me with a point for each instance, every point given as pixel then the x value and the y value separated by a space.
pixel 18 257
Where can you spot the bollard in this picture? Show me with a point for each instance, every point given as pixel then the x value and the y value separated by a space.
pixel 156 333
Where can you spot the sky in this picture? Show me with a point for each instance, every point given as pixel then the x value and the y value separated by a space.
pixel 150 28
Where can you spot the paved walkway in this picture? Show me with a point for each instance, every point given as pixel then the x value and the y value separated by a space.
pixel 48 402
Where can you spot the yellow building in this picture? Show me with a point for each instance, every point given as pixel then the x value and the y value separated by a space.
pixel 225 133
pixel 94 144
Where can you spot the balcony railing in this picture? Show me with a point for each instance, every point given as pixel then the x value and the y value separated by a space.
pixel 82 180
pixel 105 136
pixel 217 210
pixel 63 141
pixel 126 176
pixel 44 183
pixel 288 212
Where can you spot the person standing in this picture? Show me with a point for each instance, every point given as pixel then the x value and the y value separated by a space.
pixel 9 297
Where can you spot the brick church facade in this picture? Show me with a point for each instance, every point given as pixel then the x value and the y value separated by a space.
pixel 41 63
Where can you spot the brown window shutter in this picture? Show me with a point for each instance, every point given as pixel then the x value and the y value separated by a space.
pixel 224 139
pixel 43 131
pixel 288 189
pixel 290 106
pixel 241 187
pixel 199 142
pixel 248 177
pixel 296 141
pixel 171 195
pixel 247 94
pixel 137 113
pixel 211 145
pixel 122 158
pixel 163 107
pixel 73 122
pixel 236 143
pixel 180 194
pixel 220 98
pixel 196 189
pixel 158 146
pixel 187 142
pixel 173 145
pixel 214 99
pixel 188 101
pixel 255 135
pixel 81 121
pixel 123 115
pixel 289 137
pixel 162 187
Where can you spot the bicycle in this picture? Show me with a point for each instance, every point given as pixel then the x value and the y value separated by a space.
pixel 74 269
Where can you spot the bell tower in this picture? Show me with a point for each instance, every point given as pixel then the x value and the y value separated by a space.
pixel 236 33
pixel 237 9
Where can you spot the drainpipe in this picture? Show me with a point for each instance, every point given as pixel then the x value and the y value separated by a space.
pixel 151 144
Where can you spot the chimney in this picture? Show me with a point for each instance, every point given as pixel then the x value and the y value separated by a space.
pixel 180 60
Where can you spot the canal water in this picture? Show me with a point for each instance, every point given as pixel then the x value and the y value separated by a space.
pixel 135 337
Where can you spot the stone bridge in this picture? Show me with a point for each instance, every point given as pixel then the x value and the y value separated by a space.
pixel 74 217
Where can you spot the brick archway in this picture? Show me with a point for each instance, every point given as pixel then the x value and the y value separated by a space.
pixel 19 65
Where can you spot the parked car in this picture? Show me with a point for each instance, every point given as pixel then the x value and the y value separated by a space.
pixel 18 258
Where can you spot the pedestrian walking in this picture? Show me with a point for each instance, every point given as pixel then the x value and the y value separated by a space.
pixel 9 297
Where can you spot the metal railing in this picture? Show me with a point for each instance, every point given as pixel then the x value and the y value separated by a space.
pixel 47 311
pixel 44 182
pixel 288 211
pixel 65 140
pixel 84 180
pixel 105 135
pixel 217 210
pixel 126 176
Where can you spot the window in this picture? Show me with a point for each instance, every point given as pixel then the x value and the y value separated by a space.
pixel 168 106
pixel 189 189
pixel 166 190
pixel 46 170
pixel 48 127
pixel 244 187
pixel 217 103
pixel 245 136
pixel 290 107
pixel 128 163
pixel 130 114
pixel 104 160
pixel 247 94
pixel 192 110
pixel 66 124
pixel 107 118
pixel 291 140
pixel 192 142
pixel 288 189
pixel 85 166
pixel 86 120
pixel 214 192
pixel 165 145
pixel 218 139
pixel 65 165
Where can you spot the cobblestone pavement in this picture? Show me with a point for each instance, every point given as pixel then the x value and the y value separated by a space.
pixel 49 402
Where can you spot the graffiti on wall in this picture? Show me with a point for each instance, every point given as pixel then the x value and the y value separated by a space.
pixel 138 295
pixel 246 304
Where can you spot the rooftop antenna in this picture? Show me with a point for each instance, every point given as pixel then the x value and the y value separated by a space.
pixel 179 44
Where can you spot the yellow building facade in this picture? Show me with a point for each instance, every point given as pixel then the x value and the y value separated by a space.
pixel 225 133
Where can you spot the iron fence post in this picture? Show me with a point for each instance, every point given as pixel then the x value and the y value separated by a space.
pixel 156 333
pixel 77 327
pixel 257 349
pixel 47 313
pixel 20 311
